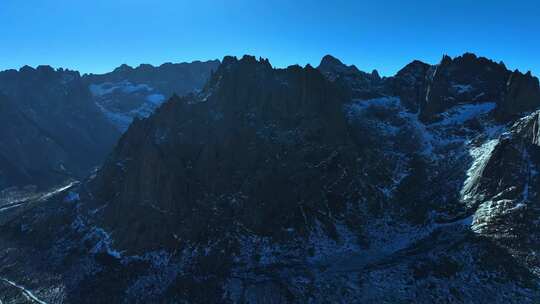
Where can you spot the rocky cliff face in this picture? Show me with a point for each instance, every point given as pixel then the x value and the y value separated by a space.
pixel 277 185
pixel 251 131
pixel 522 95
pixel 433 89
pixel 356 83
pixel 410 84
pixel 507 190
pixel 50 129
pixel 127 92
pixel 58 125
pixel 465 79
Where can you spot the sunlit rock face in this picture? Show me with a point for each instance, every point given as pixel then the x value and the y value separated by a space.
pixel 507 192
pixel 285 186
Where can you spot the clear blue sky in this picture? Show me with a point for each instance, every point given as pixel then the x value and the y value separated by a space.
pixel 98 35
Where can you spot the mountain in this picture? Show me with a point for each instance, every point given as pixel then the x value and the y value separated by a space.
pixel 358 84
pixel 522 94
pixel 433 90
pixel 298 185
pixel 50 128
pixel 463 79
pixel 251 131
pixel 127 92
pixel 57 125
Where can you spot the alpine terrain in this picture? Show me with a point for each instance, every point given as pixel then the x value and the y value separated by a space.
pixel 253 184
pixel 56 126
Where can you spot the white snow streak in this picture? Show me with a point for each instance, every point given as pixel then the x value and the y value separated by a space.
pixel 27 293
pixel 480 156
pixel 462 113
pixel 41 198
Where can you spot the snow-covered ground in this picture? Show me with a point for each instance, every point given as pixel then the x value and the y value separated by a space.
pixel 447 137
pixel 460 114
pixel 112 96
pixel 480 156
pixel 125 86
pixel 434 138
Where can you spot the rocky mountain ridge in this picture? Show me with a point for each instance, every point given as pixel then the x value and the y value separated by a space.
pixel 128 92
pixel 433 89
pixel 286 186
pixel 50 128
pixel 57 124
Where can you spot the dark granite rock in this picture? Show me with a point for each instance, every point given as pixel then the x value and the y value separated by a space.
pixel 128 93
pixel 464 79
pixel 356 83
pixel 50 128
pixel 168 78
pixel 273 186
pixel 253 130
pixel 522 95
pixel 410 84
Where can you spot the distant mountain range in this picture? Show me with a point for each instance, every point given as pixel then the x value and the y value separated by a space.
pixel 129 92
pixel 295 185
pixel 56 124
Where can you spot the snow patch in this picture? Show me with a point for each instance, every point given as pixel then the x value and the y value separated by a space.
pixel 122 121
pixel 110 96
pixel 124 86
pixel 459 114
pixel 480 156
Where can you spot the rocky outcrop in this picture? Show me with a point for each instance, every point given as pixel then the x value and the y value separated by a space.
pixel 282 158
pixel 522 95
pixel 511 167
pixel 206 164
pixel 333 67
pixel 50 129
pixel 507 192
pixel 464 79
pixel 272 185
pixel 358 84
pixel 410 84
pixel 431 90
